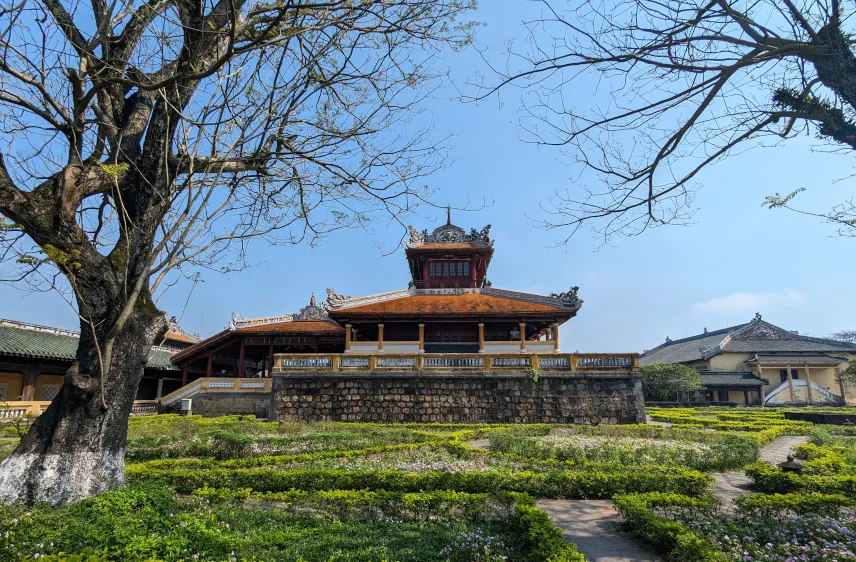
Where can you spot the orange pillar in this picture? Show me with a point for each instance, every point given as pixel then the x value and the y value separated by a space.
pixel 523 337
pixel 380 337
pixel 481 337
pixel 347 338
pixel 421 338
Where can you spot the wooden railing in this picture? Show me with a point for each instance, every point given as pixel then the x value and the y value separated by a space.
pixel 573 362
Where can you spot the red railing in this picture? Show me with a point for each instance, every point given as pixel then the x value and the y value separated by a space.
pixel 447 284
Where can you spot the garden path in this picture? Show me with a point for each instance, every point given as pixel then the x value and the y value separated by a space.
pixel 593 526
pixel 729 485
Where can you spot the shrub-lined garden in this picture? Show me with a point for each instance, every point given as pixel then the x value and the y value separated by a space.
pixel 236 489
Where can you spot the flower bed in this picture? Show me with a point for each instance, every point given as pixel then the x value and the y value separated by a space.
pixel 726 454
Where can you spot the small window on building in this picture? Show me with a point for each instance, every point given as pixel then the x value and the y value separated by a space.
pixel 722 395
pixel 783 374
pixel 701 368
pixel 48 392
pixel 4 391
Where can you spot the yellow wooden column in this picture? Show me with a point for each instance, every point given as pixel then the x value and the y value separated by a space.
pixel 808 384
pixel 380 338
pixel 347 338
pixel 523 337
pixel 761 392
pixel 556 336
pixel 791 385
pixel 421 338
pixel 841 386
pixel 481 337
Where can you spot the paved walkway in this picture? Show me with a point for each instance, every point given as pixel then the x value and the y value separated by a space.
pixel 593 526
pixel 729 485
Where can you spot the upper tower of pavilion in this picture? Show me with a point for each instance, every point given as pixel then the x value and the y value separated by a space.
pixel 449 257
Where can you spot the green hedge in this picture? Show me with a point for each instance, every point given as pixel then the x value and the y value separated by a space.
pixel 781 506
pixel 771 480
pixel 544 541
pixel 670 538
pixel 554 484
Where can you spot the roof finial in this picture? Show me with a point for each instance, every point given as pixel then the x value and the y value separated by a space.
pixel 448 215
pixel 705 329
pixel 757 317
pixel 312 299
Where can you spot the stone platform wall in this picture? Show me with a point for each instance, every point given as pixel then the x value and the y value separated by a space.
pixel 226 404
pixel 459 397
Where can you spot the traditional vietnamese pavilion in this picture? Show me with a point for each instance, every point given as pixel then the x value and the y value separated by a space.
pixel 449 347
pixel 448 307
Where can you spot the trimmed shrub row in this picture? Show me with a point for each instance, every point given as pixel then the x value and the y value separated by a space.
pixel 554 484
pixel 544 541
pixel 670 538
pixel 771 480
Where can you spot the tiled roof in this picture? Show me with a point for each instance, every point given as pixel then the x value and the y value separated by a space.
pixel 798 359
pixel 296 327
pixel 180 337
pixel 797 344
pixel 18 339
pixel 686 349
pixel 757 336
pixel 731 379
pixel 472 304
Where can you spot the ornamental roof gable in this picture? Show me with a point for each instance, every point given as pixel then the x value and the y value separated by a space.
pixel 477 299
pixel 450 234
pixel 311 313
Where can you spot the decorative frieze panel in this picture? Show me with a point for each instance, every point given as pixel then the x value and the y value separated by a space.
pixel 511 362
pixel 561 362
pixel 354 362
pixel 396 362
pixel 221 384
pixel 306 362
pixel 453 362
pixel 252 384
pixel 605 361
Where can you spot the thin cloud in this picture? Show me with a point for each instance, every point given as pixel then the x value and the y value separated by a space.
pixel 748 302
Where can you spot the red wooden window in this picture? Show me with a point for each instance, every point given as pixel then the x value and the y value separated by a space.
pixel 447 268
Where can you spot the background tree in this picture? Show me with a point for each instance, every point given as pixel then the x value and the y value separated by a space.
pixel 664 381
pixel 848 336
pixel 146 139
pixel 683 84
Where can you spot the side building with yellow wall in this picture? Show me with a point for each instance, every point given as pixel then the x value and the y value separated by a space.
pixel 33 361
pixel 760 363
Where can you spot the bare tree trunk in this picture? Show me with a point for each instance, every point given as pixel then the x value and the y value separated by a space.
pixel 77 448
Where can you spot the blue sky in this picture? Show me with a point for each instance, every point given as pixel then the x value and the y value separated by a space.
pixel 738 258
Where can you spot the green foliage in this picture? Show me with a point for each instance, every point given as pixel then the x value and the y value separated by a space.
pixel 692 449
pixel 784 506
pixel 663 381
pixel 552 484
pixel 643 519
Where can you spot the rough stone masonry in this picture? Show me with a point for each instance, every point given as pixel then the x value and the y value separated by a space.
pixel 459 397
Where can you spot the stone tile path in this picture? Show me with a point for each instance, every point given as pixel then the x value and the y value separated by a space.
pixel 778 450
pixel 729 485
pixel 593 526
pixel 483 444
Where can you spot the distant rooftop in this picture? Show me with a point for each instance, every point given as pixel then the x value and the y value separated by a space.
pixel 757 336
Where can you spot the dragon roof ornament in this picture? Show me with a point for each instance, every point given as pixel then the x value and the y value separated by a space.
pixel 312 312
pixel 450 234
